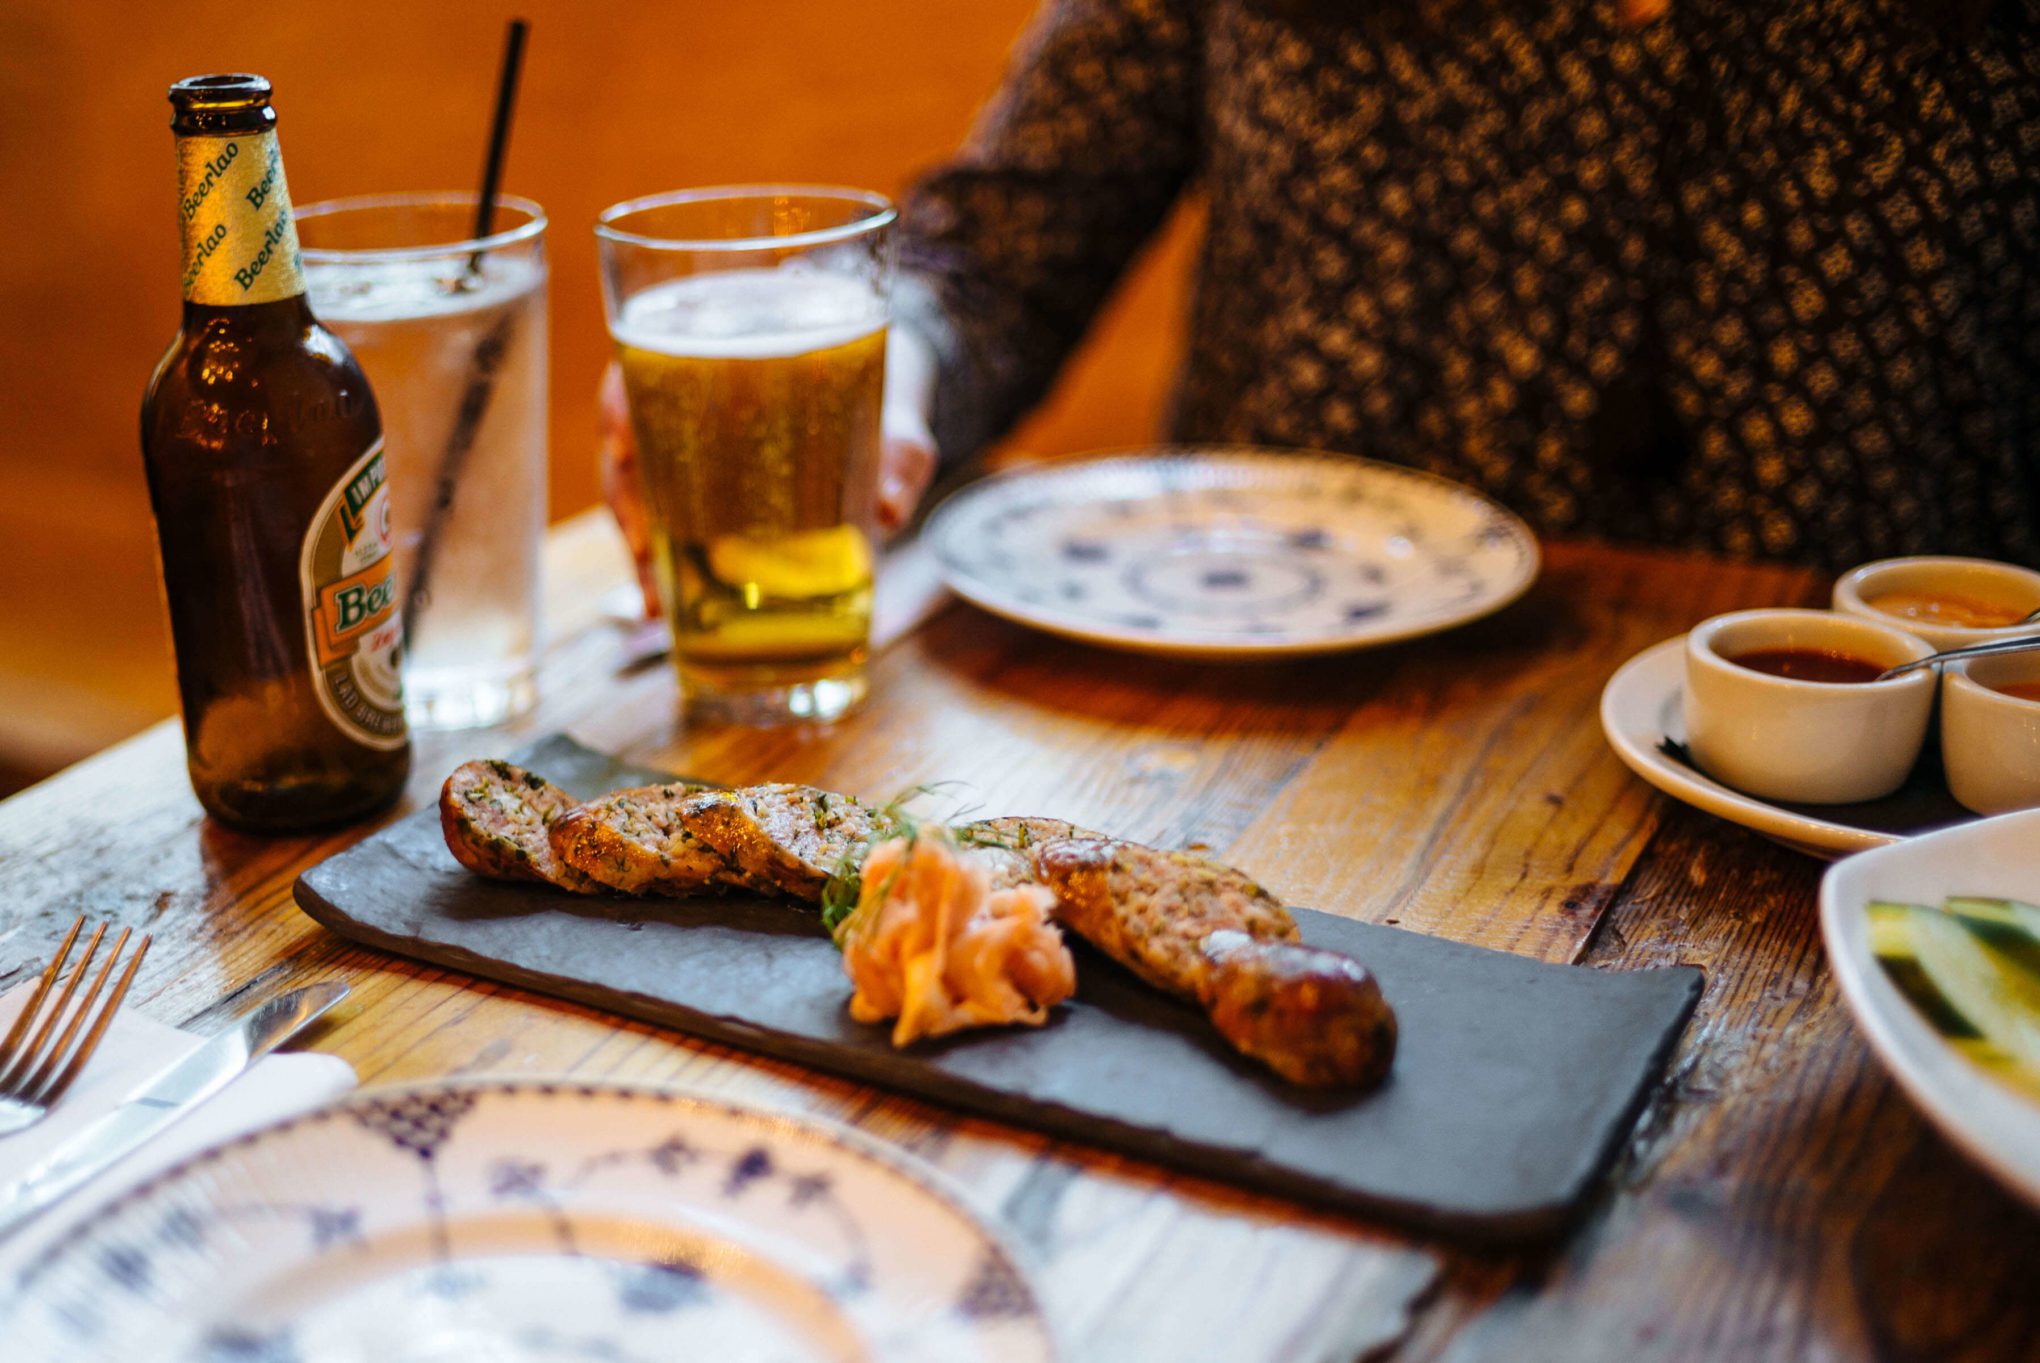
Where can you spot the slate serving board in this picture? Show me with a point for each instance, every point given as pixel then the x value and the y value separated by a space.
pixel 1514 1081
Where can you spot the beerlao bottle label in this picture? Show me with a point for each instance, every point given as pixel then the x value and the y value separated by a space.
pixel 240 241
pixel 356 637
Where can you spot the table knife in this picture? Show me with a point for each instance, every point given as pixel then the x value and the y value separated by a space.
pixel 163 1100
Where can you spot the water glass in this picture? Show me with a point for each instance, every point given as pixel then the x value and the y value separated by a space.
pixel 451 330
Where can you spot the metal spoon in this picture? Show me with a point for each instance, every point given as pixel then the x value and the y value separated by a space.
pixel 1972 651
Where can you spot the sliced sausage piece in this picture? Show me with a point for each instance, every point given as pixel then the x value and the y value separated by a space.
pixel 634 841
pixel 1208 933
pixel 791 837
pixel 1151 910
pixel 1006 846
pixel 496 817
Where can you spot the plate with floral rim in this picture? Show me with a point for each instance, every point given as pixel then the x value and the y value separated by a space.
pixel 527 1220
pixel 1231 553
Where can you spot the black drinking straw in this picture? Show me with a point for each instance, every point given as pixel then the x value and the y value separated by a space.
pixel 488 356
pixel 499 133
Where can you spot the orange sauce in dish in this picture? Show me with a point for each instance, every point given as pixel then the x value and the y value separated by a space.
pixel 1809 664
pixel 2020 690
pixel 1948 608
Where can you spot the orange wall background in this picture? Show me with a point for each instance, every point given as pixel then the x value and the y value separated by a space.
pixel 377 95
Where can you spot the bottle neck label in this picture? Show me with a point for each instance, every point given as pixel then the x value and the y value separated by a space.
pixel 240 241
pixel 352 627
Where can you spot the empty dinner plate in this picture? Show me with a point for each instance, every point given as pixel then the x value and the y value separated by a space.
pixel 1231 553
pixel 485 1220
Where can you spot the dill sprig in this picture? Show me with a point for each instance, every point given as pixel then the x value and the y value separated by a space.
pixel 978 835
pixel 840 894
pixel 893 819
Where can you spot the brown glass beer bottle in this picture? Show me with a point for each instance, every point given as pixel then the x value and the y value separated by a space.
pixel 264 455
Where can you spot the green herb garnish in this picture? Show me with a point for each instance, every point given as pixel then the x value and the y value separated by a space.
pixel 840 894
pixel 845 885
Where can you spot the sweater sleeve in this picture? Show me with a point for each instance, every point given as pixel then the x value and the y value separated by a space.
pixel 1009 249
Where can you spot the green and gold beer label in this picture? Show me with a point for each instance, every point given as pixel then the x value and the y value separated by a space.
pixel 240 242
pixel 351 620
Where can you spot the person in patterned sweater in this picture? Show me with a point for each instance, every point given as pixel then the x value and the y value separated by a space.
pixel 1758 278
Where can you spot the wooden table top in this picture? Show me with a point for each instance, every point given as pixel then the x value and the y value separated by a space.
pixel 1778 1199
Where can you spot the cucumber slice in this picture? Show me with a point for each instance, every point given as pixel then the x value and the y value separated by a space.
pixel 2005 924
pixel 2000 1000
pixel 2009 911
pixel 1892 944
pixel 2008 928
pixel 1891 928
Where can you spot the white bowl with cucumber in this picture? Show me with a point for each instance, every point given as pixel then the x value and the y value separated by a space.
pixel 1935 943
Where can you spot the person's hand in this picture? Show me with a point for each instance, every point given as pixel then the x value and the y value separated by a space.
pixel 906 465
pixel 906 451
pixel 620 486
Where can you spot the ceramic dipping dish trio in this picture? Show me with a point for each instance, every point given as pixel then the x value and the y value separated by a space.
pixel 1787 704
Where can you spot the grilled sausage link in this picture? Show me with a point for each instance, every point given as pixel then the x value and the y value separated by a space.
pixel 634 842
pixel 1315 1017
pixel 1208 933
pixel 789 838
pixel 496 818
pixel 1006 845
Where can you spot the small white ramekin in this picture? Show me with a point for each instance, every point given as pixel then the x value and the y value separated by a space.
pixel 1808 742
pixel 1990 742
pixel 2017 587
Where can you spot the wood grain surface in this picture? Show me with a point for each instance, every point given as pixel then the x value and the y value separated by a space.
pixel 1780 1200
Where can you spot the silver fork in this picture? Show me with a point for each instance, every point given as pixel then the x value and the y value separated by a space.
pixel 34 1073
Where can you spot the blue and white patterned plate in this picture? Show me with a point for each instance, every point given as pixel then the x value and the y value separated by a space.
pixel 1231 553
pixel 520 1220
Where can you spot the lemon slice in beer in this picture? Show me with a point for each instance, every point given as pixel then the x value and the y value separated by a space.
pixel 795 565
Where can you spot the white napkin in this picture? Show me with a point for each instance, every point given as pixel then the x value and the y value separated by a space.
pixel 134 1051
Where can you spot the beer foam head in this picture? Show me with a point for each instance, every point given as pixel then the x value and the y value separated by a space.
pixel 751 314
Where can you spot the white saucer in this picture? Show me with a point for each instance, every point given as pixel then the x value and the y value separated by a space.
pixel 1993 858
pixel 1640 709
pixel 1233 554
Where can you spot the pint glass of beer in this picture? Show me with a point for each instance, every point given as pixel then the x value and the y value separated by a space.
pixel 750 323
